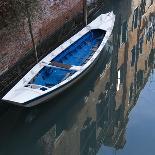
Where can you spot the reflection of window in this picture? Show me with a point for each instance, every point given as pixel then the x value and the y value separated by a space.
pixel 137 51
pixel 141 41
pixel 101 109
pixel 135 19
pixel 151 57
pixel 118 79
pixel 124 32
pixel 120 76
pixel 142 7
pixel 140 78
pixel 149 33
pixel 146 65
pixel 143 2
pixel 133 52
pixel 130 93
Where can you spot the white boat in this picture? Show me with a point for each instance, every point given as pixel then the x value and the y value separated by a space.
pixel 63 66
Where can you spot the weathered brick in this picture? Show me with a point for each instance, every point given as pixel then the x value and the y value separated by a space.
pixel 16 42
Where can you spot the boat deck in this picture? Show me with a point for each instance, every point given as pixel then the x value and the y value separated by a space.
pixel 80 51
pixel 64 65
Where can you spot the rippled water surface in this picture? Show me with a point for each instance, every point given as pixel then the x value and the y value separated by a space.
pixel 109 111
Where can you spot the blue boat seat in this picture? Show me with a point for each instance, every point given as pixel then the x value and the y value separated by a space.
pixel 77 54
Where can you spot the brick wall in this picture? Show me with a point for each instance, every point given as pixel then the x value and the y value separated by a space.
pixel 15 42
pixel 52 25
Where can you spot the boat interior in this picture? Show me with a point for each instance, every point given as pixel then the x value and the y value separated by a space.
pixel 64 64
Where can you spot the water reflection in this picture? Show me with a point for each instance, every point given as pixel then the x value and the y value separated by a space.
pixel 93 114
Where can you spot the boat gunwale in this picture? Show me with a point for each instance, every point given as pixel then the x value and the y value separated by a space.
pixel 27 103
pixel 70 78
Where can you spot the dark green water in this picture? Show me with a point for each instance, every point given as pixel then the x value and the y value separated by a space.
pixel 93 117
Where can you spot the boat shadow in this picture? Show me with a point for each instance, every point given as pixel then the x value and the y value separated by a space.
pixel 29 124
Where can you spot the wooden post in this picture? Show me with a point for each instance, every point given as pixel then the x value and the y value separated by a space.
pixel 85 12
pixel 30 30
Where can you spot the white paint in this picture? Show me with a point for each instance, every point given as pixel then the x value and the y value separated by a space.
pixel 118 80
pixel 21 94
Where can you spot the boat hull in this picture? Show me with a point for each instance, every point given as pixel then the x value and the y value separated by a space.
pixel 64 66
pixel 56 92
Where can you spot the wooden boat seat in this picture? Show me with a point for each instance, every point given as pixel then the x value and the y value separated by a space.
pixel 61 65
pixel 58 64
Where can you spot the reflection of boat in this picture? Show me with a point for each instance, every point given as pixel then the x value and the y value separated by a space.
pixel 63 66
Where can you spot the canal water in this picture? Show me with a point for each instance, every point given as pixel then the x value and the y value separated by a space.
pixel 109 111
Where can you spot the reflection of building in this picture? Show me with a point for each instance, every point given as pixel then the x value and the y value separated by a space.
pixel 80 138
pixel 96 113
pixel 104 114
pixel 137 46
